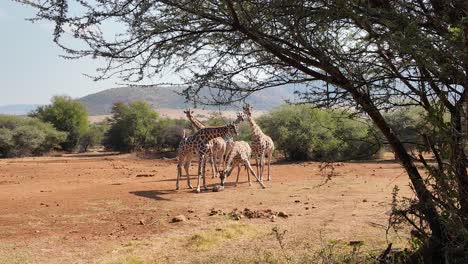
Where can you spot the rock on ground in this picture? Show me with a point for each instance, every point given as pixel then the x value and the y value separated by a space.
pixel 218 188
pixel 179 218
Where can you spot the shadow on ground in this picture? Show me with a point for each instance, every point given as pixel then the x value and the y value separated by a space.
pixel 154 194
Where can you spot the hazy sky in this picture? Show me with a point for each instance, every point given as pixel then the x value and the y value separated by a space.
pixel 31 70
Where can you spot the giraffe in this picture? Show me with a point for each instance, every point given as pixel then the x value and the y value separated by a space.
pixel 198 144
pixel 229 145
pixel 217 145
pixel 239 155
pixel 262 145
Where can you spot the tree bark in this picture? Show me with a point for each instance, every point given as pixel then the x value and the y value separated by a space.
pixel 458 161
pixel 423 194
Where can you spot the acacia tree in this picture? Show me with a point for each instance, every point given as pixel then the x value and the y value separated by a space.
pixel 374 54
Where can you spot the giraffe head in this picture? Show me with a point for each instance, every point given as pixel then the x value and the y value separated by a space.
pixel 223 176
pixel 247 110
pixel 188 113
pixel 240 118
pixel 232 130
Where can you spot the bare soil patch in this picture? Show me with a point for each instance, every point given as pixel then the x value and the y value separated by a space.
pixel 107 208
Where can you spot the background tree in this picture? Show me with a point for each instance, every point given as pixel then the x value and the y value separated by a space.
pixel 413 126
pixel 373 54
pixel 66 115
pixel 304 133
pixel 170 133
pixel 216 119
pixel 133 126
pixel 93 136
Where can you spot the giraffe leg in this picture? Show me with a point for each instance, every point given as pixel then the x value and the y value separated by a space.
pixel 186 167
pixel 247 163
pixel 179 172
pixel 247 170
pixel 257 164
pixel 204 174
pixel 213 165
pixel 238 172
pixel 262 165
pixel 269 162
pixel 200 161
pixel 218 164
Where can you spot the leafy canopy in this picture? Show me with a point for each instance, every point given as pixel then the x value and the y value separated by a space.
pixel 66 115
pixel 304 133
pixel 133 126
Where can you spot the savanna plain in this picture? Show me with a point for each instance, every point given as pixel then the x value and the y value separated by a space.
pixel 104 207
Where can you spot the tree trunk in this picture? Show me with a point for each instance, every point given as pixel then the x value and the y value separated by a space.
pixel 427 205
pixel 458 161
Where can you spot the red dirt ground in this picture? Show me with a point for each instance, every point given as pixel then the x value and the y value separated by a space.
pixel 92 208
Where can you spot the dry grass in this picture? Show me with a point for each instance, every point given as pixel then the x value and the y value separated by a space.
pixel 128 260
pixel 332 252
pixel 11 254
pixel 238 243
pixel 216 237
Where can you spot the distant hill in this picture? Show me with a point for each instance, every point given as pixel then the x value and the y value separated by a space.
pixel 166 98
pixel 163 97
pixel 17 109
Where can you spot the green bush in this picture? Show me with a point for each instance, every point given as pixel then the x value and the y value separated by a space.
pixel 244 132
pixel 170 133
pixel 216 119
pixel 412 125
pixel 93 136
pixel 6 141
pixel 27 136
pixel 133 126
pixel 304 133
pixel 66 115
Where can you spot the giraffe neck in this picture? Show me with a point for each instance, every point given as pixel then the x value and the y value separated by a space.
pixel 196 123
pixel 256 130
pixel 230 159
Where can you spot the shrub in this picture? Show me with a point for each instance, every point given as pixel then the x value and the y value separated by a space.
pixel 93 136
pixel 244 132
pixel 304 133
pixel 412 125
pixel 66 115
pixel 6 141
pixel 216 119
pixel 133 126
pixel 27 139
pixel 170 133
pixel 27 136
